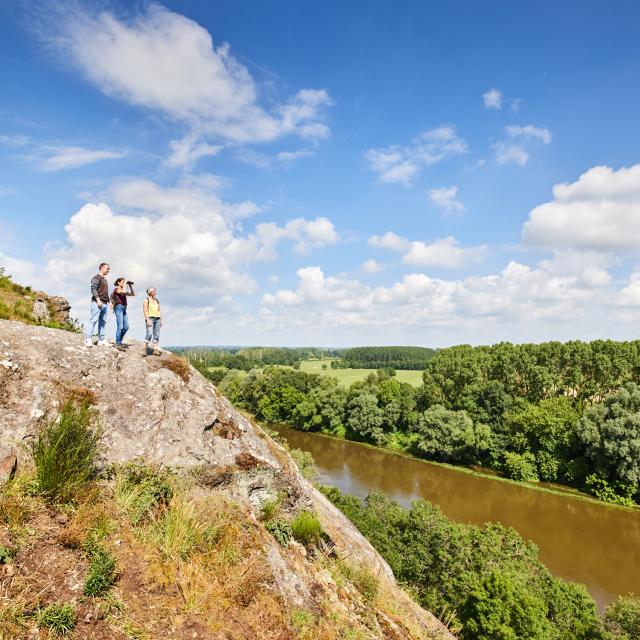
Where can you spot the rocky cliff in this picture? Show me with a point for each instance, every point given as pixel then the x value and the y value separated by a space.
pixel 160 410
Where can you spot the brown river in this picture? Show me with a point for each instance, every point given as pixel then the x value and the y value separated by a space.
pixel 579 540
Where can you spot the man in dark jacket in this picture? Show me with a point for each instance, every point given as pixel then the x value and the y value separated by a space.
pixel 99 306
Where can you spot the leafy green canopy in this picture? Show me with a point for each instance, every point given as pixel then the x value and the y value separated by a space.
pixel 489 577
pixel 515 408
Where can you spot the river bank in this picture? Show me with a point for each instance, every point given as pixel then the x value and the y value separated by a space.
pixel 580 538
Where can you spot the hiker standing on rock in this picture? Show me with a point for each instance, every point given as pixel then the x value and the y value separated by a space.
pixel 99 307
pixel 119 302
pixel 153 321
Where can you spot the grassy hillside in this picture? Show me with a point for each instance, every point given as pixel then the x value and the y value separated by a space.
pixel 140 552
pixel 16 303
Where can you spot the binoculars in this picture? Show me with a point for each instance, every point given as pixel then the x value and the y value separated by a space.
pixel 130 282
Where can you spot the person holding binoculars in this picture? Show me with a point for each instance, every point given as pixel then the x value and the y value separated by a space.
pixel 119 302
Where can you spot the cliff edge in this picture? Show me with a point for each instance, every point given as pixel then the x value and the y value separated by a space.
pixel 161 411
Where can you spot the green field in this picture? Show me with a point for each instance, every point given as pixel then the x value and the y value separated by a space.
pixel 347 376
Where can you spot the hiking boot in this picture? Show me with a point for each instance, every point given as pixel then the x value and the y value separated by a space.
pixel 103 343
pixel 120 347
pixel 145 350
pixel 156 352
pixel 88 342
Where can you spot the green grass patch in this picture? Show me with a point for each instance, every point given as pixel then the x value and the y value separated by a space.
pixel 347 376
pixel 306 528
pixel 65 451
pixel 270 508
pixel 59 618
pixel 102 573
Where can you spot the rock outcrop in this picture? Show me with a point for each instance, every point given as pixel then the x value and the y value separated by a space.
pixel 47 308
pixel 160 410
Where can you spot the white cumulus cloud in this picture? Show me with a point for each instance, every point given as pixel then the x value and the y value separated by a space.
pixel 442 252
pixel 599 211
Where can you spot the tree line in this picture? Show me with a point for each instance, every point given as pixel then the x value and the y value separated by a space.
pixel 414 358
pixel 553 412
pixel 247 358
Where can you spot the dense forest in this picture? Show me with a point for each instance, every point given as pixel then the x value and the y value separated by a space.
pixel 487 582
pixel 554 412
pixel 415 358
pixel 247 358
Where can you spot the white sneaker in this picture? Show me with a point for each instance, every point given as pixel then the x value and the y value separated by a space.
pixel 88 342
pixel 103 343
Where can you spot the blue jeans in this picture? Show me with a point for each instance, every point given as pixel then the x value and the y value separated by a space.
pixel 122 322
pixel 153 330
pixel 97 315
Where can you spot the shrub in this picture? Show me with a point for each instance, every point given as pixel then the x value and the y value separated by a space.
pixel 60 618
pixel 622 618
pixel 502 608
pixel 520 466
pixel 65 451
pixel 620 493
pixel 306 528
pixel 280 530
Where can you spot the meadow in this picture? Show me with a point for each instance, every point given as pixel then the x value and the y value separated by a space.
pixel 348 376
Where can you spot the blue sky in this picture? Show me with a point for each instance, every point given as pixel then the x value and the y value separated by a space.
pixel 330 173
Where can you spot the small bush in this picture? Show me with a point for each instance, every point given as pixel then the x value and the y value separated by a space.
pixel 306 528
pixel 619 493
pixel 65 451
pixel 280 530
pixel 520 467
pixel 622 618
pixel 60 618
pixel 102 573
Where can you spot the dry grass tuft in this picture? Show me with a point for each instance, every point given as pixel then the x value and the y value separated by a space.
pixel 246 461
pixel 178 365
pixel 79 395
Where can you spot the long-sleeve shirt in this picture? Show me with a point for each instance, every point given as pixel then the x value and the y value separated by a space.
pixel 99 289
